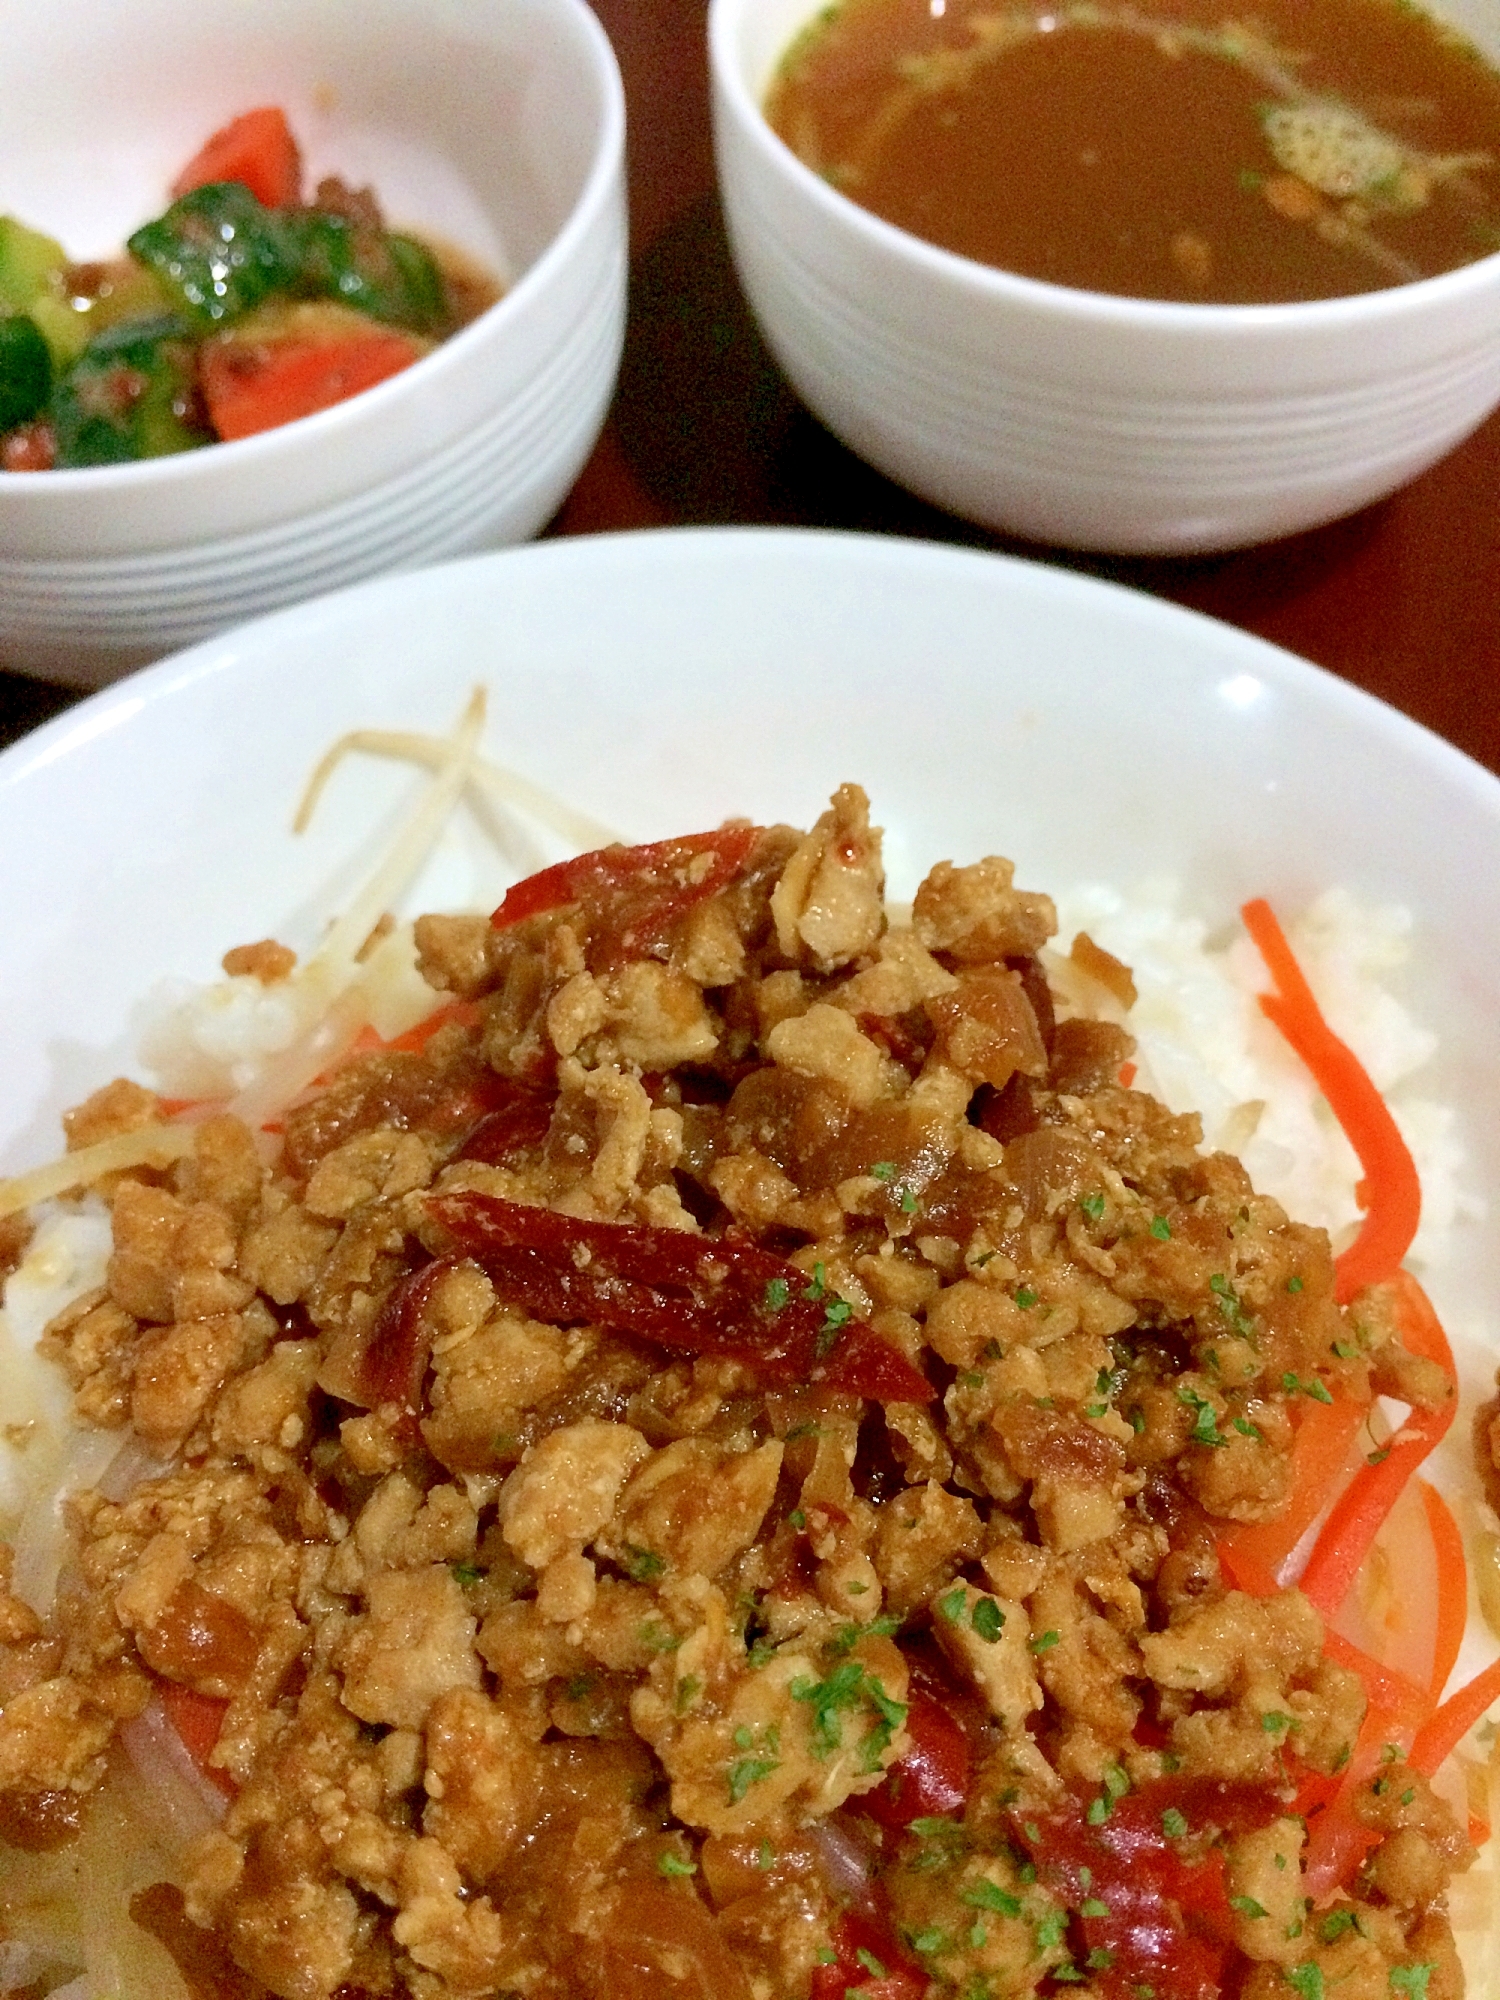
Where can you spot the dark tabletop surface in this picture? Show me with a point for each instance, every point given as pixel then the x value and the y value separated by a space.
pixel 1403 599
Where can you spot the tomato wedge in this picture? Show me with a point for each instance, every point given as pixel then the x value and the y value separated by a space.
pixel 252 386
pixel 256 149
pixel 690 1294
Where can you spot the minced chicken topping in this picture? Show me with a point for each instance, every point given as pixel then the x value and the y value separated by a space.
pixel 701 1478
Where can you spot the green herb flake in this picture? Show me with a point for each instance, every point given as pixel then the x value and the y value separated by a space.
pixel 988 1619
pixel 929 1941
pixel 797 1519
pixel 1306 1980
pixel 1248 1907
pixel 777 1294
pixel 1025 1298
pixel 953 1604
pixel 1274 1723
pixel 1333 1926
pixel 1411 1980
pixel 1174 1824
pixel 1093 1207
pixel 1161 1229
pixel 749 1771
pixel 1093 1906
pixel 884 1170
pixel 673 1864
pixel 644 1565
pixel 987 1895
pixel 467 1574
pixel 1045 1641
pixel 870 1963
pixel 688 1690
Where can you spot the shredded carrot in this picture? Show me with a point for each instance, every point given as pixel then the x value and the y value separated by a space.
pixel 415 1039
pixel 1452 1585
pixel 1390 1185
pixel 1337 1842
pixel 1127 1075
pixel 1447 1726
pixel 1356 1516
pixel 198 1720
pixel 1321 1448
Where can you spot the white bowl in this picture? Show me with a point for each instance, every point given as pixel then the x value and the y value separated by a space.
pixel 1075 417
pixel 497 125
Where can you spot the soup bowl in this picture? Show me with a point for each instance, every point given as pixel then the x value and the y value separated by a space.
pixel 494 126
pixel 1134 426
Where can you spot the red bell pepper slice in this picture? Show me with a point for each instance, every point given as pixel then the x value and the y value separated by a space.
pixel 931 1777
pixel 1152 1917
pixel 871 1963
pixel 633 896
pixel 690 1294
pixel 256 149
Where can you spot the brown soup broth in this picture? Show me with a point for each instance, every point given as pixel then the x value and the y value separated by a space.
pixel 1300 149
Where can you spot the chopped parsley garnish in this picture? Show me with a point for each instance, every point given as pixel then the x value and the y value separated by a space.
pixel 953 1603
pixel 987 1895
pixel 749 1771
pixel 673 1864
pixel 1161 1229
pixel 1307 1980
pixel 467 1574
pixel 1205 1420
pixel 847 1688
pixel 929 1941
pixel 1411 1979
pixel 817 1285
pixel 1246 1429
pixel 870 1963
pixel 797 1519
pixel 836 1316
pixel 1248 1907
pixel 1274 1723
pixel 644 1565
pixel 1294 1285
pixel 1093 1207
pixel 1335 1924
pixel 1173 1823
pixel 1231 1305
pixel 884 1170
pixel 987 1619
pixel 1045 1641
pixel 1025 1297
pixel 1093 1906
pixel 688 1688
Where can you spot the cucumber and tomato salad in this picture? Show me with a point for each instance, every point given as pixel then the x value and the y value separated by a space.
pixel 239 309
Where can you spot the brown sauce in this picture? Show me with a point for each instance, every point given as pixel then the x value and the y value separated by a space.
pixel 1301 149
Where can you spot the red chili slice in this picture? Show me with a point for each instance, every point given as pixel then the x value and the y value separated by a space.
pixel 633 896
pixel 388 1365
pixel 689 1294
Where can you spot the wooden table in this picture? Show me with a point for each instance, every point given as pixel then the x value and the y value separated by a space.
pixel 1402 599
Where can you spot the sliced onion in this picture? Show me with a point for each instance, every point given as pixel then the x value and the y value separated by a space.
pixel 177 1800
pixel 42 1538
pixel 845 1862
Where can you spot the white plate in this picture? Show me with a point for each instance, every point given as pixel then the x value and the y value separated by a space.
pixel 664 681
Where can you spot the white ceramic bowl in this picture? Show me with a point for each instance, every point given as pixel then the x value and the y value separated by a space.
pixel 1075 417
pixel 497 125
